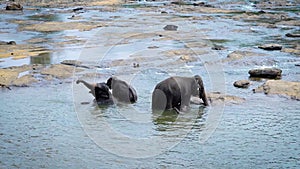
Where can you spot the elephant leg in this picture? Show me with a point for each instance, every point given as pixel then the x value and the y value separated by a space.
pixel 159 100
pixel 185 103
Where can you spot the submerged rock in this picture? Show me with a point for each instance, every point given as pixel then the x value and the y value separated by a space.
pixel 241 84
pixel 292 35
pixel 75 63
pixel 24 81
pixel 14 6
pixel 272 73
pixel 235 55
pixel 55 26
pixel 217 98
pixel 280 87
pixel 271 47
pixel 171 28
pixel 59 71
pixel 8 43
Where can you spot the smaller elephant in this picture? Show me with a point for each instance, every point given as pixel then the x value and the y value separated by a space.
pixel 100 91
pixel 103 95
pixel 122 91
pixel 175 93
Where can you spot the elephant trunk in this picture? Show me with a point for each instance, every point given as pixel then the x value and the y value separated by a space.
pixel 203 97
pixel 88 85
pixel 202 94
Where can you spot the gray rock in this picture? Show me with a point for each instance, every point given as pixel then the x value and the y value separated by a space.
pixel 171 28
pixel 8 43
pixel 241 84
pixel 271 47
pixel 14 6
pixel 292 35
pixel 272 73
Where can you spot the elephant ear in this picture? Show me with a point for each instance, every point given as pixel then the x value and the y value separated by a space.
pixel 108 82
pixel 199 81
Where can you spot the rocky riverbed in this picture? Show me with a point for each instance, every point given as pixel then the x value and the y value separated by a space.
pixel 261 18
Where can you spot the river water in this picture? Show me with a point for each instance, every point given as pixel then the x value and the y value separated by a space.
pixel 57 125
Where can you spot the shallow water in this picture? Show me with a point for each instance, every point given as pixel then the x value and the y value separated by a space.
pixel 48 126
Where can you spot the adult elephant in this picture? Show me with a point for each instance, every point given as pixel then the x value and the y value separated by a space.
pixel 100 91
pixel 175 93
pixel 122 91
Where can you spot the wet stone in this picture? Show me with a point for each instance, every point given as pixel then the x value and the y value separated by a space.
pixel 271 47
pixel 8 43
pixel 280 87
pixel 14 6
pixel 272 73
pixel 171 28
pixel 241 84
pixel 292 35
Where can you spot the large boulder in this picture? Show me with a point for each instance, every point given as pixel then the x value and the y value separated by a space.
pixel 280 87
pixel 218 98
pixel 14 6
pixel 271 47
pixel 272 73
pixel 241 83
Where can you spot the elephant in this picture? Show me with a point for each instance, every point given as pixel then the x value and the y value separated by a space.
pixel 175 93
pixel 122 91
pixel 103 95
pixel 100 91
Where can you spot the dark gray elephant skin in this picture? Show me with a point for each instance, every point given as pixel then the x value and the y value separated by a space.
pixel 175 93
pixel 122 91
pixel 100 91
pixel 103 95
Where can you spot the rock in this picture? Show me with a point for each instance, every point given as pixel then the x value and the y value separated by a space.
pixel 291 50
pixel 218 47
pixel 241 54
pixel 187 58
pixel 272 73
pixel 24 81
pixel 297 64
pixel 280 87
pixel 8 43
pixel 14 6
pixel 242 83
pixel 292 35
pixel 59 71
pixel 271 47
pixel 217 98
pixel 75 63
pixel 7 76
pixel 77 9
pixel 171 28
pixel 55 26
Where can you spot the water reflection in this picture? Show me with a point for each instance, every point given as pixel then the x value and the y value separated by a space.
pixel 42 58
pixel 171 119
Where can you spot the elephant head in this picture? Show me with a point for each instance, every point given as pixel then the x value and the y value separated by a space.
pixel 201 90
pixel 100 91
pixel 121 90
